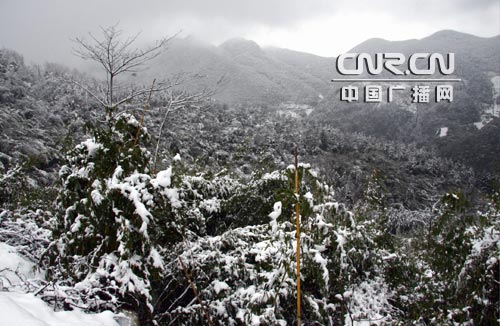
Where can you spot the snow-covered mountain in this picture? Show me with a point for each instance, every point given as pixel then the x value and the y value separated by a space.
pixel 243 72
pixel 252 74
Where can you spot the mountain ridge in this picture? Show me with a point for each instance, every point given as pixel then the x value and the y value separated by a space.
pixel 270 75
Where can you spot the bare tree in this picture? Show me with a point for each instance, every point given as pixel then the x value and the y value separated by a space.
pixel 117 55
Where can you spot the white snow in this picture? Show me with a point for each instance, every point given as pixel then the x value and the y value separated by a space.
pixel 290 114
pixel 13 267
pixel 220 286
pixel 479 125
pixel 429 273
pixel 173 197
pixel 274 215
pixel 163 178
pixel 342 236
pixel 324 266
pixel 132 187
pixel 97 198
pixel 367 303
pixel 92 146
pixel 305 166
pixel 443 131
pixel 20 308
pixel 489 239
pixel 77 224
pixel 310 198
pixel 276 175
pixel 17 308
pixel 276 211
pixel 116 176
pixel 131 120
pixel 211 205
pixel 493 111
pixel 390 257
pixel 157 260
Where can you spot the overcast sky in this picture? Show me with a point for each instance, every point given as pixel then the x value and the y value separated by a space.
pixel 41 29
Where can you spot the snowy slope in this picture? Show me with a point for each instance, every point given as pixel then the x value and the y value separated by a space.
pixel 18 308
pixel 25 309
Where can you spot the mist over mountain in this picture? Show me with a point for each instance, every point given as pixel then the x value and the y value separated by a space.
pixel 441 41
pixel 471 52
pixel 252 74
pixel 243 72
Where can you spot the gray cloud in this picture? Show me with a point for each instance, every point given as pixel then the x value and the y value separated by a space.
pixel 41 29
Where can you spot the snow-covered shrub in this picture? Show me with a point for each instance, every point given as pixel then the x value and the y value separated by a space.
pixel 101 238
pixel 478 285
pixel 120 229
pixel 117 222
pixel 10 182
pixel 18 189
pixel 112 215
pixel 247 274
pixel 402 221
pixel 451 268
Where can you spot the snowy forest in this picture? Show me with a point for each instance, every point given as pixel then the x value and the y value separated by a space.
pixel 133 199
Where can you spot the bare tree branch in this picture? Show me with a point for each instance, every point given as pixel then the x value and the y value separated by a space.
pixel 177 102
pixel 116 56
pixel 89 92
